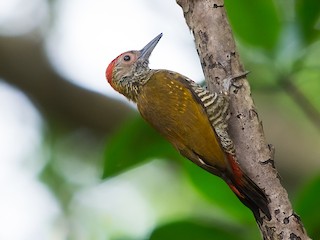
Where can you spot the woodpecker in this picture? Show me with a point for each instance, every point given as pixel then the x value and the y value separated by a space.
pixel 191 118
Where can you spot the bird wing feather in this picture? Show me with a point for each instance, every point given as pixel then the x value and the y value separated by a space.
pixel 178 110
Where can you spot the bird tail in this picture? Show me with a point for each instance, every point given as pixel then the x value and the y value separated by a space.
pixel 247 191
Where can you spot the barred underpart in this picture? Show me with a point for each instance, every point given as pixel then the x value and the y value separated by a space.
pixel 216 106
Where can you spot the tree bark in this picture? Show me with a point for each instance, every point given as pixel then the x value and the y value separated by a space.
pixel 214 41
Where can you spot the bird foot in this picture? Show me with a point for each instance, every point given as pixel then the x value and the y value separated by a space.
pixel 231 81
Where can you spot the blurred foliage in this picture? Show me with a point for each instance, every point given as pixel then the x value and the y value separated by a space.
pixel 308 12
pixel 256 23
pixel 209 186
pixel 195 229
pixel 279 42
pixel 307 206
pixel 144 143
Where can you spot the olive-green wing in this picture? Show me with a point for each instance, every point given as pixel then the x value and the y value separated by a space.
pixel 170 104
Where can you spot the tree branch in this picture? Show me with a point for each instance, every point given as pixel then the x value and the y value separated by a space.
pixel 217 51
pixel 24 65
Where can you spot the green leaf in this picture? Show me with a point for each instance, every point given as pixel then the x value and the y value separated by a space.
pixel 255 22
pixel 218 193
pixel 307 82
pixel 307 206
pixel 194 230
pixel 133 144
pixel 308 13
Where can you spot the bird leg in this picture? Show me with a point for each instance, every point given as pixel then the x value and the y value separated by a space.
pixel 230 81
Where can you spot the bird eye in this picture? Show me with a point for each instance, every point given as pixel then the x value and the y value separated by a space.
pixel 126 58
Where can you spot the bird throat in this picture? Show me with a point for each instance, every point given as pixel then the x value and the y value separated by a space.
pixel 130 85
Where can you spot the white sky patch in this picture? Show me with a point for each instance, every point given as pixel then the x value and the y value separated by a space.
pixel 27 208
pixel 88 35
pixel 15 15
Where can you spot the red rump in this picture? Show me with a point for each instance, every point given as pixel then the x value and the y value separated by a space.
pixel 238 174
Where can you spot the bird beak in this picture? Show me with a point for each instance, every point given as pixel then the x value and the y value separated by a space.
pixel 147 50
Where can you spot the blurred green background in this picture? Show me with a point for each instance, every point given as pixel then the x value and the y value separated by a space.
pixel 77 161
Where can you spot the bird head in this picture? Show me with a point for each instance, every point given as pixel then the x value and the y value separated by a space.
pixel 129 71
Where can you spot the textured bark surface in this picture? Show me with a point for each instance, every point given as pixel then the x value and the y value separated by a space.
pixel 217 51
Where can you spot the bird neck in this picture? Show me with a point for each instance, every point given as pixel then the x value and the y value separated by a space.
pixel 130 85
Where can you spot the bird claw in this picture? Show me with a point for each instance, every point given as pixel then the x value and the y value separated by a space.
pixel 231 82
